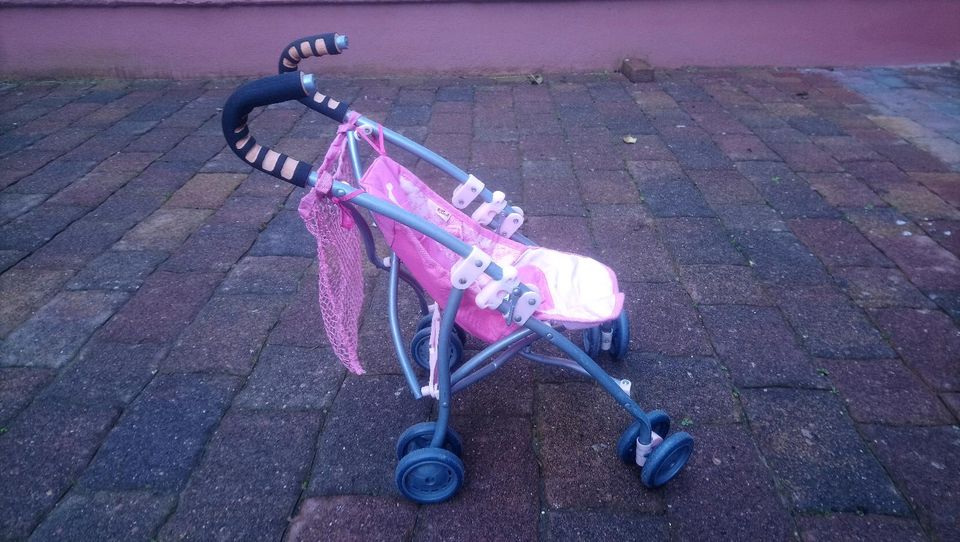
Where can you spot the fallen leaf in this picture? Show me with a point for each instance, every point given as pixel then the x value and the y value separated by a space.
pixel 535 79
pixel 629 139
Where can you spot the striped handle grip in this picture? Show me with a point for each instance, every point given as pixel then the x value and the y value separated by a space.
pixel 260 93
pixel 318 45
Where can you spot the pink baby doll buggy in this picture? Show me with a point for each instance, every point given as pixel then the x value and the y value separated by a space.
pixel 486 278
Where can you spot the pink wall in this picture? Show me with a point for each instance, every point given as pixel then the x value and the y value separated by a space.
pixel 186 41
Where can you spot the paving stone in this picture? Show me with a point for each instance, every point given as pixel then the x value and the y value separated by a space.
pixel 910 158
pixel 952 400
pixel 608 187
pixel 700 153
pixel 13 205
pixel 876 287
pixel 164 305
pixel 885 391
pixel 721 455
pixel 567 234
pixel 79 243
pixel 127 206
pixel 301 323
pixel 56 332
pixel 722 285
pixel 578 426
pixel 923 461
pixel 757 347
pixel 669 197
pixel 750 217
pixel 695 391
pixel 117 270
pixel 859 528
pixel 18 385
pixel 501 486
pixel 846 148
pixel 780 258
pixel 928 342
pixel 552 197
pixel 837 243
pixel 816 455
pixel 843 190
pixel 360 458
pixel 41 454
pixel 663 320
pixel 107 373
pixel 164 230
pixel 36 227
pixel 829 326
pixel 786 192
pixel 206 190
pixel 725 187
pixel 744 147
pixel 290 378
pixel 160 436
pixel 110 515
pixel 25 290
pixel 698 241
pixel 277 275
pixel 637 254
pixel 249 479
pixel 285 236
pixel 9 258
pixel 211 248
pixel 54 176
pixel 226 335
pixel 597 525
pixel 380 519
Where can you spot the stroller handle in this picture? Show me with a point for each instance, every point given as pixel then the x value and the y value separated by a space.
pixel 262 92
pixel 317 45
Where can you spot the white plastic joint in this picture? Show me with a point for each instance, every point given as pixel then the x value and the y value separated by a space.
pixel 606 340
pixel 464 194
pixel 486 212
pixel 511 223
pixel 526 305
pixel 468 270
pixel 495 291
pixel 432 388
pixel 625 385
pixel 643 450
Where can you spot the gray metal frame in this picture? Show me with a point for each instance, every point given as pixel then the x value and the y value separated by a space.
pixel 501 351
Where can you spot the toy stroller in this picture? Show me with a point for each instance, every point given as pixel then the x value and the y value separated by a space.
pixel 488 280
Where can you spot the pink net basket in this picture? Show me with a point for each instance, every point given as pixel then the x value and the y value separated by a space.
pixel 339 257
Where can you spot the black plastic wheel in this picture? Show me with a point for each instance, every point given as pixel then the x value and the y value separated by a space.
pixel 420 349
pixel 419 435
pixel 621 336
pixel 667 460
pixel 627 445
pixel 429 475
pixel 591 341
pixel 426 319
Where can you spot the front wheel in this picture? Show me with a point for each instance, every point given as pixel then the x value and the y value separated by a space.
pixel 667 460
pixel 429 475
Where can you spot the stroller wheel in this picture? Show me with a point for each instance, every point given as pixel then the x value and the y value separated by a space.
pixel 621 336
pixel 418 436
pixel 591 341
pixel 420 349
pixel 627 445
pixel 424 323
pixel 667 460
pixel 429 475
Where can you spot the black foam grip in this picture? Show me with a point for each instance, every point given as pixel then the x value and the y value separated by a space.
pixel 259 93
pixel 317 45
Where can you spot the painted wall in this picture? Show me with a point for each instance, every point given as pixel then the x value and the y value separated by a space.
pixel 186 41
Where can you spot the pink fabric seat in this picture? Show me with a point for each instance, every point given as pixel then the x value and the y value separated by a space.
pixel 576 290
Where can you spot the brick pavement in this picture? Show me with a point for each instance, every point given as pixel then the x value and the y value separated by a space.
pixel 787 240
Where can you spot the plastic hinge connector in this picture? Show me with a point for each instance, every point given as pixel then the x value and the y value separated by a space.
pixel 432 388
pixel 468 270
pixel 526 305
pixel 494 292
pixel 464 194
pixel 643 450
pixel 511 224
pixel 606 340
pixel 485 213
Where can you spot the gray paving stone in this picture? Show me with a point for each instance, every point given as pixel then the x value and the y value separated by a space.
pixel 704 504
pixel 18 386
pixel 164 230
pixel 9 258
pixel 226 335
pixel 757 347
pixel 105 515
pixel 161 435
pixel 273 275
pixel 923 462
pixel 663 320
pixel 722 285
pixel 249 479
pixel 31 230
pixel 594 525
pixel 691 390
pixel 25 290
pixel 750 218
pixel 290 378
pixel 780 258
pixel 578 426
pixel 285 236
pixel 123 271
pixel 721 187
pixel 698 241
pixel 13 205
pixel 79 243
pixel 301 323
pixel 816 455
pixel 41 454
pixel 206 190
pixel 874 287
pixel 56 332
pixel 927 341
pixel 358 458
pixel 162 307
pixel 885 391
pixel 380 519
pixel 637 254
pixel 859 528
pixel 837 243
